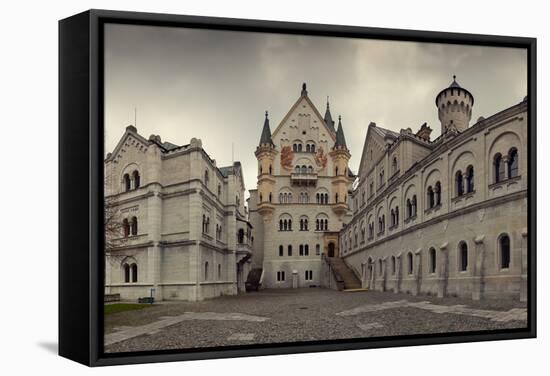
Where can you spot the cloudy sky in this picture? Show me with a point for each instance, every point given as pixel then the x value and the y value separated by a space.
pixel 216 85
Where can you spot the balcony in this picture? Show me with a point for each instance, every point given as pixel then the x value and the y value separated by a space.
pixel 298 178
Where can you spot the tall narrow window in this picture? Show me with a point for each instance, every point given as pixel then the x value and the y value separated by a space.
pixel 470 179
pixel 127 184
pixel 206 178
pixel 134 273
pixel 281 251
pixel 206 271
pixel 410 263
pixel 459 184
pixel 290 250
pixel 126 227
pixel 126 273
pixel 498 164
pixel 414 206
pixel 301 250
pixel 393 268
pixel 437 192
pixel 219 271
pixel 136 177
pixel 513 163
pixel 134 226
pixel 463 250
pixel 317 250
pixel 431 198
pixel 504 244
pixel 432 260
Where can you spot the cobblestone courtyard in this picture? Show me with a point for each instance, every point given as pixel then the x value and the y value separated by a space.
pixel 275 316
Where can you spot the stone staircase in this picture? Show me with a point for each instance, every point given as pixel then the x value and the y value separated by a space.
pixel 344 272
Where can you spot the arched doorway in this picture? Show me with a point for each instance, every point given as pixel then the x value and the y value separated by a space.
pixel 331 249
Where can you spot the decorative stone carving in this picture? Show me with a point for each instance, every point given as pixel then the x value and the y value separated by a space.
pixel 287 155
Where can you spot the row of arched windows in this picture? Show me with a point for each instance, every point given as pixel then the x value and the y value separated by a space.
pixel 411 207
pixel 285 198
pixel 285 225
pixel 205 224
pixel 433 195
pixel 321 224
pixel 303 169
pixel 503 252
pixel 303 224
pixel 506 167
pixel 131 181
pixel 381 224
pixel 322 198
pixel 464 182
pixel 303 250
pixel 130 272
pixel 130 227
pixel 303 198
pixel 298 147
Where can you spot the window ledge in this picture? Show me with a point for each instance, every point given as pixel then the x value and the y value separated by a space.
pixel 464 196
pixel 433 209
pixel 504 182
pixel 410 219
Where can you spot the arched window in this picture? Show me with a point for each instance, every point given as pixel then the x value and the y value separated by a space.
pixel 380 267
pixel 290 250
pixel 240 236
pixel 414 206
pixel 270 170
pixel 463 256
pixel 394 165
pixel 134 269
pixel 126 273
pixel 470 179
pixel 301 250
pixel 297 169
pixel 285 225
pixel 310 169
pixel 430 197
pixel 134 226
pixel 513 163
pixel 127 183
pixel 299 147
pixel 303 169
pixel 498 165
pixel 432 256
pixel 326 224
pixel 317 228
pixel 459 184
pixel 336 171
pixel 294 147
pixel 410 263
pixel 308 148
pixel 393 268
pixel 336 198
pixel 409 208
pixel 290 225
pixel 313 148
pixel 206 178
pixel 126 227
pixel 135 175
pixel 504 245
pixel 392 217
pixel 281 251
pixel 206 271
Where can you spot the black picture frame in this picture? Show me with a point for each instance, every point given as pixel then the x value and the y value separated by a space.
pixel 81 189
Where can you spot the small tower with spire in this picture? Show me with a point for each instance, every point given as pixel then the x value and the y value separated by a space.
pixel 265 154
pixel 454 105
pixel 340 158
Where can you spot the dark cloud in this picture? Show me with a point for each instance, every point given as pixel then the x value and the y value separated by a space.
pixel 216 85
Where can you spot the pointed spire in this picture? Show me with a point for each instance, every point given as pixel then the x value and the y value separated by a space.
pixel 328 118
pixel 340 139
pixel 454 83
pixel 266 132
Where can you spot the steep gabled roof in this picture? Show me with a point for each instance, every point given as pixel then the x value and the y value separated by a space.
pixel 305 97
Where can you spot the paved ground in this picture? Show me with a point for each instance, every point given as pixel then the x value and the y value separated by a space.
pixel 275 316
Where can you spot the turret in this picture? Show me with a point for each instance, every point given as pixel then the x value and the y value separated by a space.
pixel 454 106
pixel 265 153
pixel 340 157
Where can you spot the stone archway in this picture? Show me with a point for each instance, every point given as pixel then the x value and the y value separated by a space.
pixel 331 248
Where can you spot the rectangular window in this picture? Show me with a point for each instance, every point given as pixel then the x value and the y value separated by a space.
pixel 280 276
pixel 309 275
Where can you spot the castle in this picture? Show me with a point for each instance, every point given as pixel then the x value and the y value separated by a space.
pixel 445 216
pixel 442 217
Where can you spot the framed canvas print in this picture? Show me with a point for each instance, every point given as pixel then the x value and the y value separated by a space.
pixel 237 187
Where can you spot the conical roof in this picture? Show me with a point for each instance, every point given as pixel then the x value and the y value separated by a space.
pixel 266 132
pixel 340 139
pixel 328 119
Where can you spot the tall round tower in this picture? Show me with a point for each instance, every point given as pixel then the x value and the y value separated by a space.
pixel 265 153
pixel 340 158
pixel 454 106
